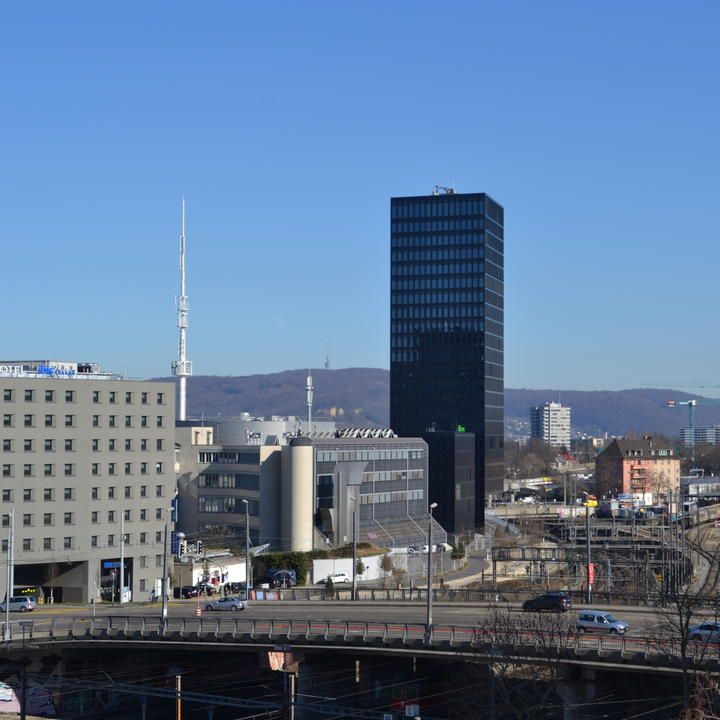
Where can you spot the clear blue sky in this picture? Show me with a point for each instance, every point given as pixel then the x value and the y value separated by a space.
pixel 288 126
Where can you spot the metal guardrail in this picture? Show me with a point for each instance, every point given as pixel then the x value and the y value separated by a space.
pixel 458 638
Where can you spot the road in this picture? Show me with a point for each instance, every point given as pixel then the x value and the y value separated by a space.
pixel 640 620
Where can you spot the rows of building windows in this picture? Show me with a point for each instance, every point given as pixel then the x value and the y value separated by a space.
pixel 422 312
pixel 431 268
pixel 113 516
pixel 226 504
pixel 50 494
pixel 460 282
pixel 71 396
pixel 49 421
pixel 387 497
pixel 68 445
pixel 68 543
pixel 443 226
pixel 392 475
pixel 441 327
pixel 425 254
pixel 414 298
pixel 229 481
pixel 442 207
pixel 360 455
pixel 69 469
pixel 230 457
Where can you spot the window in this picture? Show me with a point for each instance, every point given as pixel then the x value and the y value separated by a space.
pixel 127 515
pixel 128 421
pixel 159 421
pixel 7 445
pixel 49 396
pixel 68 494
pixel 49 445
pixel 143 538
pixel 111 445
pixel 158 561
pixel 143 514
pixel 158 514
pixel 93 540
pixel 143 421
pixel 113 396
pixel 111 493
pixel 96 396
pixel 128 445
pixel 27 545
pixel 67 543
pixel 111 540
pixel 112 419
pixel 48 494
pixel 7 395
pixel 143 468
pixel 159 444
pixel 68 469
pixel 27 470
pixel 47 518
pixel 69 445
pixel 128 491
pixel 143 561
pixel 143 586
pixel 28 495
pixel 144 398
pixel 111 468
pixel 159 468
pixel 6 521
pixel 128 398
pixel 143 491
pixel 48 544
pixel 96 421
pixel 95 493
pixel 69 421
pixel 159 490
pixel 94 517
pixel 111 516
pixel 29 420
pixel 158 536
pixel 95 445
pixel 7 420
pixel 29 395
pixel 143 444
pixel 161 398
pixel 27 520
pixel 128 468
pixel 68 518
pixel 6 495
pixel 95 469
pixel 28 445
pixel 69 396
pixel 48 470
pixel 7 470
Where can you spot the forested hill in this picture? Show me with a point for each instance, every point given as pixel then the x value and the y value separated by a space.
pixel 360 396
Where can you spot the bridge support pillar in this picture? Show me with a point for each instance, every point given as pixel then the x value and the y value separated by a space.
pixel 576 689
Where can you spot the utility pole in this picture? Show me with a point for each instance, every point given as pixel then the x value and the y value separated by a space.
pixel 164 577
pixel 8 591
pixel 122 557
pixel 354 549
pixel 247 549
pixel 589 559
pixel 178 697
pixel 428 622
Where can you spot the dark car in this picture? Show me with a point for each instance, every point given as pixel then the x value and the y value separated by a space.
pixel 549 602
pixel 205 588
pixel 189 592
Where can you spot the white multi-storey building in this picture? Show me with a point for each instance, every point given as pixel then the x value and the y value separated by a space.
pixel 551 424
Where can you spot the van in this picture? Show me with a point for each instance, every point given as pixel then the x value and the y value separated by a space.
pixel 19 604
pixel 600 621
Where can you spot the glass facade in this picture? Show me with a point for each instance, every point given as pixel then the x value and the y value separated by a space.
pixel 447 325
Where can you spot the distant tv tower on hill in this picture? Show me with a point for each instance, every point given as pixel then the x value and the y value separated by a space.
pixel 182 367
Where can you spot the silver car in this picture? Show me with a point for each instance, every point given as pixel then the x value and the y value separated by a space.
pixel 707 632
pixel 19 604
pixel 600 621
pixel 227 603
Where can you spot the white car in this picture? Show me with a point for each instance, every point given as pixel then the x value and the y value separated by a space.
pixel 338 578
pixel 227 603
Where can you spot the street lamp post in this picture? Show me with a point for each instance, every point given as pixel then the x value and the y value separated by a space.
pixel 354 559
pixel 247 549
pixel 164 588
pixel 428 623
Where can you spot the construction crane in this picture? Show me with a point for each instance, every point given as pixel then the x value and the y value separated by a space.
pixel 692 404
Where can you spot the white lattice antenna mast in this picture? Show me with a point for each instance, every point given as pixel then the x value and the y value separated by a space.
pixel 182 367
pixel 309 388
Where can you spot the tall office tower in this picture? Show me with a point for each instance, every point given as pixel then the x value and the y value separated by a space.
pixel 551 424
pixel 446 336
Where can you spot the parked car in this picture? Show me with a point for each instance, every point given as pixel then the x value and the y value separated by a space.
pixel 19 604
pixel 338 578
pixel 601 622
pixel 707 632
pixel 205 587
pixel 189 592
pixel 413 550
pixel 549 602
pixel 227 603
pixel 425 549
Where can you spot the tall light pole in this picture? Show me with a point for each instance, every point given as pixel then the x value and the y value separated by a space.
pixel 428 623
pixel 354 548
pixel 247 549
pixel 10 582
pixel 122 557
pixel 164 589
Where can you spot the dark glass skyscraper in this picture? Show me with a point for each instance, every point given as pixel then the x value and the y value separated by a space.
pixel 446 334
